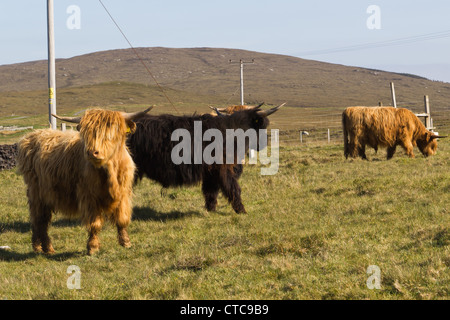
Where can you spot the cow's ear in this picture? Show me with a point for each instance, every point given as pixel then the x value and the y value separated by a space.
pixel 131 127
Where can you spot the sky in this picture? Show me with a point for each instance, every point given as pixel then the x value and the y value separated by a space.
pixel 403 36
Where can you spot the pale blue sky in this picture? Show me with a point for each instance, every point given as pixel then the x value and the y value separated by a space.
pixel 291 27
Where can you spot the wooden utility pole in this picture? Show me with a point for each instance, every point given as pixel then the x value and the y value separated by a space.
pixel 394 102
pixel 242 62
pixel 51 65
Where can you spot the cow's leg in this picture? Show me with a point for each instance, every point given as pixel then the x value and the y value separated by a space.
pixel 94 226
pixel 230 188
pixel 352 152
pixel 409 149
pixel 352 148
pixel 362 151
pixel 123 217
pixel 124 239
pixel 210 189
pixel 390 152
pixel 238 169
pixel 41 216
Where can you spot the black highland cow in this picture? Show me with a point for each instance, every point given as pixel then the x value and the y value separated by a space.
pixel 151 148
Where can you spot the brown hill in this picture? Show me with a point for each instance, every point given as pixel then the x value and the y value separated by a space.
pixel 206 71
pixel 198 77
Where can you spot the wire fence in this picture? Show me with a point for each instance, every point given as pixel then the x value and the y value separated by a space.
pixel 322 126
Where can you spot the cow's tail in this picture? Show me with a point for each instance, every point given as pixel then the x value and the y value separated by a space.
pixel 345 132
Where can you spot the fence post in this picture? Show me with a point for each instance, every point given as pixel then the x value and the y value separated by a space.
pixel 427 111
pixel 63 126
pixel 301 136
pixel 328 134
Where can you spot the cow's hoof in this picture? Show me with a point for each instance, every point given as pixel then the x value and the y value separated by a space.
pixel 210 208
pixel 91 251
pixel 49 250
pixel 37 249
pixel 126 244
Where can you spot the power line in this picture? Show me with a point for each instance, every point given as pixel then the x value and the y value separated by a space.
pixel 380 44
pixel 139 57
pixel 233 95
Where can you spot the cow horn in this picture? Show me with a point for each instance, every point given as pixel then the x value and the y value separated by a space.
pixel 220 109
pixel 259 105
pixel 68 119
pixel 266 113
pixel 217 111
pixel 135 115
pixel 436 137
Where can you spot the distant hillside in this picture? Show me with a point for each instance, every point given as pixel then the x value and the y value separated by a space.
pixel 206 71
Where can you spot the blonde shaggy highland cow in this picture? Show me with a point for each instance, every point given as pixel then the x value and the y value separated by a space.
pixel 87 174
pixel 386 127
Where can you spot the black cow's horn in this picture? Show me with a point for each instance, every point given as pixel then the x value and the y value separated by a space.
pixel 135 115
pixel 436 137
pixel 266 113
pixel 220 109
pixel 259 105
pixel 217 111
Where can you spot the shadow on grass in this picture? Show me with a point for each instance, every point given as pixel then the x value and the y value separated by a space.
pixel 24 227
pixel 149 214
pixel 139 213
pixel 16 226
pixel 9 256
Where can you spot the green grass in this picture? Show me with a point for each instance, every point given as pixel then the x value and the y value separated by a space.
pixel 311 230
pixel 310 233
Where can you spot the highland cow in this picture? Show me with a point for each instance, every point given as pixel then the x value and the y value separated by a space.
pixel 87 174
pixel 232 109
pixel 151 147
pixel 385 127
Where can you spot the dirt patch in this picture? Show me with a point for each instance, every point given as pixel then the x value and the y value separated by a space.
pixel 8 154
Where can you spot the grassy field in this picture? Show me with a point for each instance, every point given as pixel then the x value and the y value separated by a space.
pixel 311 232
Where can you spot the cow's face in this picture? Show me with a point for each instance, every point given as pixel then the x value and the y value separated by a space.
pixel 258 122
pixel 103 134
pixel 252 118
pixel 428 144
